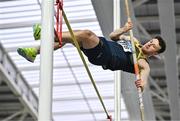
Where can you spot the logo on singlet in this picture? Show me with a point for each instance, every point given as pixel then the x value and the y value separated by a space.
pixel 127 46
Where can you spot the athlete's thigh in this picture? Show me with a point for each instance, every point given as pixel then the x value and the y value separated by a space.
pixel 91 41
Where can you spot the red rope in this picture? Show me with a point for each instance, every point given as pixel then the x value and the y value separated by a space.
pixel 58 32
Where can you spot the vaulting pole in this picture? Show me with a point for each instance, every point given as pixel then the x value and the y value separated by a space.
pixel 46 66
pixel 141 105
pixel 117 83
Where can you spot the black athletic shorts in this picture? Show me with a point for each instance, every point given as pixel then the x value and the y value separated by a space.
pixel 110 55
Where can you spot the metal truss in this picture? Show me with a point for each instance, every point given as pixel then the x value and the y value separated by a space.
pixel 23 114
pixel 16 82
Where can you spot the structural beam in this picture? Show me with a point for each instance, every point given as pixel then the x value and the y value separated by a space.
pixel 167 25
pixel 158 88
pixel 154 19
pixel 1 80
pixel 137 3
pixel 104 12
pixel 23 116
pixel 117 74
pixel 16 83
pixel 13 116
pixel 46 66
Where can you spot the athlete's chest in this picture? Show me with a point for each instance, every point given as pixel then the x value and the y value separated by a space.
pixel 126 45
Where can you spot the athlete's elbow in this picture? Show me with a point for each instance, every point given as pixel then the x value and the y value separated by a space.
pixel 148 70
pixel 113 37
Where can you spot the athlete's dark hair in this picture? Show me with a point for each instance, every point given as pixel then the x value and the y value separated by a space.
pixel 162 43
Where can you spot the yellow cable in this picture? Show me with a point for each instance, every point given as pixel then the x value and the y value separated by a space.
pixel 84 62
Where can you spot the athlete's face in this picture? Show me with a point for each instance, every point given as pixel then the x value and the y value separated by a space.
pixel 151 47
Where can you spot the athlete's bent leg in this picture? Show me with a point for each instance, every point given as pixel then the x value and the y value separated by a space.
pixel 86 38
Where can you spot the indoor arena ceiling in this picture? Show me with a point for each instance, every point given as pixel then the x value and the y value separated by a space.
pixel 72 88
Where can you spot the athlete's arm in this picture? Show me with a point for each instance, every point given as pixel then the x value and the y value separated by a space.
pixel 144 74
pixel 116 34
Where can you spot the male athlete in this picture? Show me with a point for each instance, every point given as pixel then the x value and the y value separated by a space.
pixel 115 54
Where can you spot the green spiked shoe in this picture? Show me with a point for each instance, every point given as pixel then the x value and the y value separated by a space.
pixel 28 53
pixel 37 31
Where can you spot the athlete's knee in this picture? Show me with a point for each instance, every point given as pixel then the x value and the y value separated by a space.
pixel 86 34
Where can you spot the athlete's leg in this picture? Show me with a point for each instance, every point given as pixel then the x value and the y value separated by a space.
pixel 86 38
